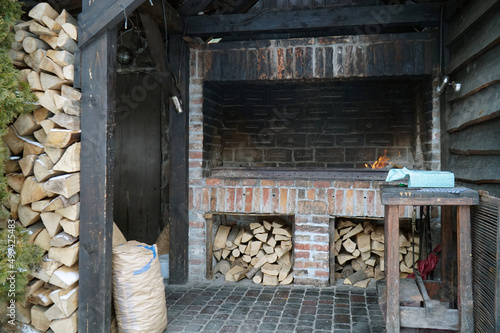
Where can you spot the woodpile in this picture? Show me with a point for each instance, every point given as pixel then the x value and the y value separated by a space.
pixel 261 252
pixel 43 172
pixel 359 252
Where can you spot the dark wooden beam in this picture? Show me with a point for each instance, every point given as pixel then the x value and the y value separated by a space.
pixel 101 15
pixel 96 217
pixel 175 22
pixel 369 19
pixel 179 218
pixel 192 7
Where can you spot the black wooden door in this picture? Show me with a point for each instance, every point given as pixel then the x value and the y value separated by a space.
pixel 137 176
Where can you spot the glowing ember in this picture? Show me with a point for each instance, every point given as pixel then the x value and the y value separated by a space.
pixel 382 162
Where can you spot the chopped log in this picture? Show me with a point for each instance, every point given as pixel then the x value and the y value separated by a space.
pixel 349 245
pixel 236 273
pixel 277 224
pixel 72 212
pixel 51 24
pixel 363 283
pixel 370 271
pixel 368 227
pixel 16 181
pixel 46 268
pixel 71 30
pixel 32 191
pixel 377 246
pixel 13 141
pixel 51 221
pixel 65 42
pixel 259 230
pixel 269 280
pixel 260 254
pixel 271 241
pixel 38 206
pixel 46 100
pixel 26 163
pixel 347 271
pixel 285 259
pixel 62 239
pixel 403 241
pixel 280 237
pixel 287 280
pixel 72 107
pixel 254 261
pixel 358 264
pixel 61 138
pixel 31 44
pixel 69 73
pixel 379 274
pixel 405 269
pixel 23 313
pixel 246 258
pixel 225 253
pixel 66 185
pixel 17 56
pixel 67 300
pixel 255 247
pixel 50 81
pixel 371 261
pixel 25 125
pixel 73 228
pixel 272 258
pixel 222 266
pixel 18 46
pixel 285 269
pixel 246 237
pixel 34 81
pixel 356 230
pixel 378 234
pixel 354 278
pixel 255 225
pixel 43 9
pixel 236 253
pixel 262 237
pixel 67 255
pixel 345 224
pixel 40 135
pixel 59 102
pixel 27 216
pixel 403 250
pixel 410 259
pixel 70 93
pixel 20 35
pixel 51 40
pixel 33 231
pixel 286 245
pixel 221 237
pixel 242 248
pixel 61 202
pixel 257 279
pixel 31 147
pixel 48 65
pixel 12 165
pixel 54 313
pixel 233 233
pixel 40 30
pixel 66 17
pixel 43 239
pixel 41 297
pixel 365 255
pixel 344 231
pixel 268 249
pixel 54 153
pixel 70 161
pixel 344 257
pixel 15 201
pixel 47 125
pixel 40 115
pixel 62 58
pixel 30 62
pixel 66 325
pixel 282 231
pixel 65 277
pixel 44 168
pixel 363 242
pixel 267 225
pixel 356 253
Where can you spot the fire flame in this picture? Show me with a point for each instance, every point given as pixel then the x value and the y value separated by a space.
pixel 380 163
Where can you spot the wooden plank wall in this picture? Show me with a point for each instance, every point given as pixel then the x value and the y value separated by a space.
pixel 471 144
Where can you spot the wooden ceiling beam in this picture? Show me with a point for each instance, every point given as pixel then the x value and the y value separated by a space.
pixel 369 19
pixel 192 7
pixel 175 22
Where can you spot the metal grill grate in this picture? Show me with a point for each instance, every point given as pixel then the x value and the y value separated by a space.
pixel 486 262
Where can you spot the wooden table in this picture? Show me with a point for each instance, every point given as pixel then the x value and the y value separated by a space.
pixel 396 316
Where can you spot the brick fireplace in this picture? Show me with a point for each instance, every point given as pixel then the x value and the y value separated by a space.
pixel 287 126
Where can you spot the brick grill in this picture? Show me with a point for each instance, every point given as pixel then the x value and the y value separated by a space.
pixel 229 80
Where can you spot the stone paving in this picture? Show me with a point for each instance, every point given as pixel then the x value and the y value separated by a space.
pixel 247 307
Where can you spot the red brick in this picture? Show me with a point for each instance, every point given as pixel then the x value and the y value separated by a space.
pixel 287 183
pixel 249 182
pixel 311 194
pixel 230 196
pixel 370 203
pixel 311 228
pixel 310 264
pixel 339 202
pixel 195 164
pixel 221 200
pixel 195 155
pixel 239 199
pixel 206 199
pixel 267 182
pixel 302 246
pixel 320 220
pixel 194 224
pixel 322 184
pixel 283 199
pixel 349 202
pixel 312 207
pixel 302 254
pixel 195 181
pixel 197 195
pixel 248 199
pixel 359 184
pixel 321 239
pixel 195 146
pixel 231 182
pixel 379 208
pixel 321 194
pixel 330 195
pixel 195 137
pixel 195 128
pixel 275 199
pixel 359 203
pixel 266 200
pixel 213 199
pixel 196 100
pixel 303 183
pixel 320 247
pixel 321 273
pixel 191 202
pixel 292 196
pixel 257 195
pixel 342 184
pixel 213 181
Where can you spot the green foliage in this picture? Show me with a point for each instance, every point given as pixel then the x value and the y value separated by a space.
pixel 23 256
pixel 15 96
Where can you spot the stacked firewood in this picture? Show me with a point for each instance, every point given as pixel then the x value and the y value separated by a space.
pixel 359 251
pixel 261 252
pixel 43 170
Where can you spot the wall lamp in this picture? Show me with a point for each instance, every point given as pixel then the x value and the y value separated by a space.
pixel 446 82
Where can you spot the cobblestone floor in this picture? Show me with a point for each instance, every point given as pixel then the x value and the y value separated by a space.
pixel 246 307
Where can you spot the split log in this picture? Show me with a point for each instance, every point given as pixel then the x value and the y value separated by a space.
pixel 246 237
pixel 72 107
pixel 347 270
pixel 222 266
pixel 70 93
pixel 272 258
pixel 46 100
pixel 283 274
pixel 34 81
pixel 61 202
pixel 66 325
pixel 50 81
pixel 48 65
pixel 61 138
pixel 363 242
pixel 344 257
pixel 43 239
pixel 345 224
pixel 31 44
pixel 40 115
pixel 15 201
pixel 255 247
pixel 353 232
pixel 358 264
pixel 27 216
pixel 221 237
pixel 363 283
pixel 66 17
pixel 47 125
pixel 16 181
pixel 51 40
pixel 233 233
pixel 269 280
pixel 71 30
pixel 12 165
pixel 40 135
pixel 282 231
pixel 66 300
pixel 69 73
pixel 73 227
pixel 43 168
pixel 65 42
pixel 51 24
pixel 40 30
pixel 41 297
pixel 377 246
pixel 25 125
pixel 54 313
pixel 271 241
pixel 13 141
pixel 255 225
pixel 33 191
pixel 62 239
pixel 378 234
pixel 354 278
pixel 71 212
pixel 51 222
pixel 287 280
pixel 62 58
pixel 344 231
pixel 31 147
pixel 349 245
pixel 66 185
pixel 262 237
pixel 45 270
pixel 236 273
pixel 43 9
pixel 54 153
pixel 258 277
pixel 23 313
pixel 70 161
pixel 267 225
pixel 38 206
pixel 65 277
pixel 67 255
pixel 26 164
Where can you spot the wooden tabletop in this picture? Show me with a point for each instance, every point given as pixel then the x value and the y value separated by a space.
pixel 404 196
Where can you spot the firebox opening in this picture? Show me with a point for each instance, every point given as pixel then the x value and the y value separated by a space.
pixel 315 125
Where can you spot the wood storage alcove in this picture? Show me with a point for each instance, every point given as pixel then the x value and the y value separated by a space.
pixel 254 246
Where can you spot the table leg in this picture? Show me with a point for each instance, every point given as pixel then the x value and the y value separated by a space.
pixel 464 260
pixel 392 320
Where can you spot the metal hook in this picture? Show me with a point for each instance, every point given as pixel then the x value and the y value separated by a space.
pixel 126 18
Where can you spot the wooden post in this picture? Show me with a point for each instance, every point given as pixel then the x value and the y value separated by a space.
pixel 392 319
pixel 447 250
pixel 179 219
pixel 96 217
pixel 464 261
